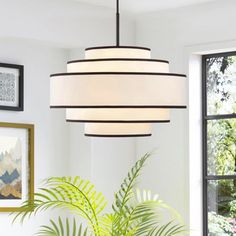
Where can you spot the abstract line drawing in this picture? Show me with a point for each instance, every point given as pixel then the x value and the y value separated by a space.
pixel 11 87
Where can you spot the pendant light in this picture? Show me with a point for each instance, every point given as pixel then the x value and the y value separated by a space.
pixel 118 90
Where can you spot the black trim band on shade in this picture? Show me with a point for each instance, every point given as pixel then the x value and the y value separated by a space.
pixel 127 47
pixel 118 121
pixel 118 59
pixel 120 106
pixel 118 136
pixel 116 73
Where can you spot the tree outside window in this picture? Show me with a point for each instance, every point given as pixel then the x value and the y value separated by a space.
pixel 219 142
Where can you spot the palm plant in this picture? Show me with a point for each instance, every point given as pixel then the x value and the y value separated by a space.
pixel 134 212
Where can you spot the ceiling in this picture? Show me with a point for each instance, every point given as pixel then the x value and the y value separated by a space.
pixel 137 6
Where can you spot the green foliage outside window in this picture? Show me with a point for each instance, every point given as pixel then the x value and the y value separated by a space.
pixel 221 145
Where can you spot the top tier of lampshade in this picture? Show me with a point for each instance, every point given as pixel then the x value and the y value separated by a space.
pixel 118 77
pixel 117 52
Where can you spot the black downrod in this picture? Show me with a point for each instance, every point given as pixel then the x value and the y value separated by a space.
pixel 117 23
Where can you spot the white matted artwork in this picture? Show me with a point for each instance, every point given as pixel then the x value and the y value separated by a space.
pixel 16 165
pixel 11 87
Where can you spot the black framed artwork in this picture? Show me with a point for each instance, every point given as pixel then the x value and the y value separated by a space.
pixel 11 87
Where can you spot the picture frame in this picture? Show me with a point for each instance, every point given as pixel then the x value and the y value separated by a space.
pixel 16 165
pixel 11 87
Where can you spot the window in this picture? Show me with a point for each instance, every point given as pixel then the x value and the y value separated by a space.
pixel 219 144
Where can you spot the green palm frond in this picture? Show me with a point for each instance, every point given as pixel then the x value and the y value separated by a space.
pixel 141 220
pixel 169 229
pixel 123 196
pixel 106 222
pixel 126 191
pixel 144 215
pixel 76 195
pixel 135 212
pixel 152 225
pixel 61 228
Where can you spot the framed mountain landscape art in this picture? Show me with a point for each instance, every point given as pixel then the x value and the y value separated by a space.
pixel 11 87
pixel 16 165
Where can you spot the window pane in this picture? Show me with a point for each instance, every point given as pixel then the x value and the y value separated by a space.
pixel 221 85
pixel 222 207
pixel 221 147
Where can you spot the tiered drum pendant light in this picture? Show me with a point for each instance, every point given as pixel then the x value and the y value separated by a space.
pixel 118 91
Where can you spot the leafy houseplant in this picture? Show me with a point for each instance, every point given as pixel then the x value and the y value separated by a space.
pixel 134 213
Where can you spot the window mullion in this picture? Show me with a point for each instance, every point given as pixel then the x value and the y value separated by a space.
pixel 219 177
pixel 204 147
pixel 219 117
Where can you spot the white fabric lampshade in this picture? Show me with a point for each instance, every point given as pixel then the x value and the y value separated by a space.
pixel 117 52
pixel 106 90
pixel 127 115
pixel 117 130
pixel 118 91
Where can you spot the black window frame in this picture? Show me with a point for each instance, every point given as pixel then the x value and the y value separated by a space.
pixel 205 118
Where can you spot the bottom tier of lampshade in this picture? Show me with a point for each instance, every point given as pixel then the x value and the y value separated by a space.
pixel 117 129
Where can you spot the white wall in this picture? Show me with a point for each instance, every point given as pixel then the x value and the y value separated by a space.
pixel 176 35
pixel 51 133
pixel 64 23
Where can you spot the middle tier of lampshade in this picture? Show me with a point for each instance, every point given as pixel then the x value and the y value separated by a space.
pixel 117 130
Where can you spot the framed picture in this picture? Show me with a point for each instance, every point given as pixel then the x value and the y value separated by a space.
pixel 11 87
pixel 16 165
